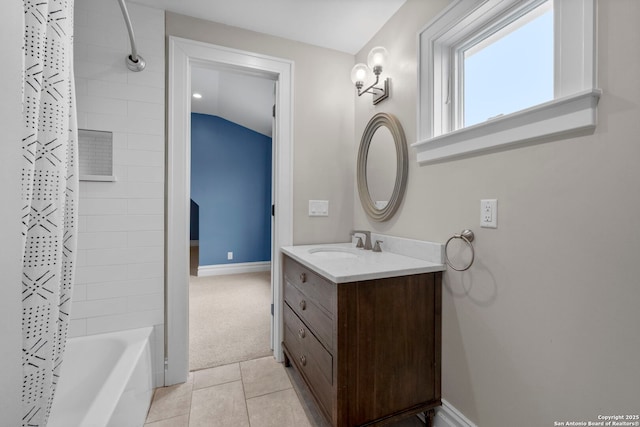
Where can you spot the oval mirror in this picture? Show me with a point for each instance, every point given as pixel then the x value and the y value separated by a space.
pixel 382 166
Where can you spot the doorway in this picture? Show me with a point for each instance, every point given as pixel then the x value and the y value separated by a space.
pixel 183 55
pixel 231 186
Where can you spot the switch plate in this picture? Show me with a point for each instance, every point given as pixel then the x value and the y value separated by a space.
pixel 229 255
pixel 489 213
pixel 318 208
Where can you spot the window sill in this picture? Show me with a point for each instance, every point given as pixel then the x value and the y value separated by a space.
pixel 562 116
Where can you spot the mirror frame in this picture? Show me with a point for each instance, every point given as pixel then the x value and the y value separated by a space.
pixel 402 169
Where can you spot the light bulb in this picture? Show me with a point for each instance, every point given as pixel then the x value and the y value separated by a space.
pixel 359 73
pixel 377 58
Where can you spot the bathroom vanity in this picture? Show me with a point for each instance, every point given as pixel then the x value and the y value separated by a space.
pixel 364 331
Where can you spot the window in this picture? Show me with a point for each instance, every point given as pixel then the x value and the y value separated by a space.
pixel 502 72
pixel 523 52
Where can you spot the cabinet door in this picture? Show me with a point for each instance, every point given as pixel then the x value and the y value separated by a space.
pixel 389 345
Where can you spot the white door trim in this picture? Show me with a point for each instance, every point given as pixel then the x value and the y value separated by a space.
pixel 182 54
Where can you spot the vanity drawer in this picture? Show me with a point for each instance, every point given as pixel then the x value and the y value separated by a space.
pixel 316 318
pixel 318 289
pixel 311 358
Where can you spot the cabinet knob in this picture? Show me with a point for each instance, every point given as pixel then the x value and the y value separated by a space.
pixel 303 277
pixel 303 305
pixel 302 333
pixel 303 360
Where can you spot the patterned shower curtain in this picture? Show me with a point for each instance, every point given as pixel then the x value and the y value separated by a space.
pixel 49 196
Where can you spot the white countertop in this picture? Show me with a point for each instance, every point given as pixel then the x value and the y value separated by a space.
pixel 366 265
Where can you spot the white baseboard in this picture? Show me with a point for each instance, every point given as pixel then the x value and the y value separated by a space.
pixel 237 268
pixel 448 416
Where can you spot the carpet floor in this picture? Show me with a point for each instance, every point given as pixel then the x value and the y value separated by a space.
pixel 229 319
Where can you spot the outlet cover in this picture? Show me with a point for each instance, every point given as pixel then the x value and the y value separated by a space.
pixel 229 255
pixel 318 208
pixel 489 213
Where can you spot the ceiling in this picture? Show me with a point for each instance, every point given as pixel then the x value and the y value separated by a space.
pixel 242 99
pixel 344 25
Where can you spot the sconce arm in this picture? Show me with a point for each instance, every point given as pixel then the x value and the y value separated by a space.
pixel 379 93
pixel 371 88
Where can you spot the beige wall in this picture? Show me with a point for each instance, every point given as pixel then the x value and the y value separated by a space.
pixel 544 326
pixel 323 122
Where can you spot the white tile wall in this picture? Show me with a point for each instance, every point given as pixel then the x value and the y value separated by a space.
pixel 144 206
pixel 93 206
pixel 146 143
pixel 120 273
pixel 105 290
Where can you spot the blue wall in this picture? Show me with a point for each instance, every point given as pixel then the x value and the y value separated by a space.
pixel 231 182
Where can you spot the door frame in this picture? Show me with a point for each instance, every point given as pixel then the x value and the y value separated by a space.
pixel 182 54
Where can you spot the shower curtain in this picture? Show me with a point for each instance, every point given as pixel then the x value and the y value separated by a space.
pixel 49 196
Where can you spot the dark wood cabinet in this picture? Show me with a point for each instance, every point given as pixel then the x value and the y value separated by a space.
pixel 369 351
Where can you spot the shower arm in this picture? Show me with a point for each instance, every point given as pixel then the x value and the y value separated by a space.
pixel 134 61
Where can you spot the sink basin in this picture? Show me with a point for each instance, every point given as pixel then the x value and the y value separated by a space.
pixel 332 253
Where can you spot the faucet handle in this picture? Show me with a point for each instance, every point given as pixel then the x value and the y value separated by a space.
pixel 376 247
pixel 359 243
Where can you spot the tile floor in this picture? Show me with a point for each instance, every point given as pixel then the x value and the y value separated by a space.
pixel 256 393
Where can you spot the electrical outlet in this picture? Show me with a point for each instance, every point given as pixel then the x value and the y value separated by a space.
pixel 489 213
pixel 229 255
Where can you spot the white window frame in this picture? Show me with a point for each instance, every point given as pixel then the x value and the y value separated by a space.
pixel 572 111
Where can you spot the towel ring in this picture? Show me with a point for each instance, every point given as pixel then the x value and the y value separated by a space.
pixel 467 237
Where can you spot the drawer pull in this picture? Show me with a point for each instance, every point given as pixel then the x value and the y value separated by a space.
pixel 303 305
pixel 303 277
pixel 302 333
pixel 303 360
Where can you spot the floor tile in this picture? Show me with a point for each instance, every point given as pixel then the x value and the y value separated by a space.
pixel 257 393
pixel 215 376
pixel 181 421
pixel 170 402
pixel 263 376
pixel 221 406
pixel 279 409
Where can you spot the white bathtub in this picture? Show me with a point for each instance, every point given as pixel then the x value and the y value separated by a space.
pixel 105 381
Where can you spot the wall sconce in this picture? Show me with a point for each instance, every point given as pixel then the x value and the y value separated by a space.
pixel 376 61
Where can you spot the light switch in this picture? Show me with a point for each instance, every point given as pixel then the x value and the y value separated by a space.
pixel 318 208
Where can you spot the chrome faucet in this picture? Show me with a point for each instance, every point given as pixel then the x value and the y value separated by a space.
pixel 367 238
